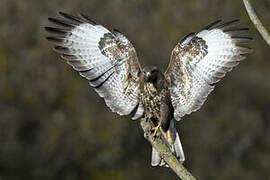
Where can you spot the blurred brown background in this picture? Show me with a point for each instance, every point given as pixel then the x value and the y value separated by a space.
pixel 53 126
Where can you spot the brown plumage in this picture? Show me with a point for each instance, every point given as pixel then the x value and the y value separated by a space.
pixel 108 60
pixel 155 99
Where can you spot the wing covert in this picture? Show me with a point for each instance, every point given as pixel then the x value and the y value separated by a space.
pixel 201 60
pixel 105 58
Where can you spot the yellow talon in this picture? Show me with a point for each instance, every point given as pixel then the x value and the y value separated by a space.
pixel 156 129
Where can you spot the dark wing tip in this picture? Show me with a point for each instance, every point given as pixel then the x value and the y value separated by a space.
pixel 229 24
pixel 116 31
pixel 48 28
pixel 57 31
pixel 61 50
pixel 63 14
pixel 72 18
pixel 50 38
pixel 212 25
pixel 242 40
pixel 55 40
pixel 237 32
pixel 87 19
pixel 224 26
pixel 60 22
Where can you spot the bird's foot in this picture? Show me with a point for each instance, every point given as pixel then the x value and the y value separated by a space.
pixel 155 129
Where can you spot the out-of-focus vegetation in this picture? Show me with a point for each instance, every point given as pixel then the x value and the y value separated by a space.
pixel 53 126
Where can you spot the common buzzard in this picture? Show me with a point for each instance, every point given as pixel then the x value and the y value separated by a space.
pixel 109 62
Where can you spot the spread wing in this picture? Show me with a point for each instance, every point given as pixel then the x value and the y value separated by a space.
pixel 106 59
pixel 201 60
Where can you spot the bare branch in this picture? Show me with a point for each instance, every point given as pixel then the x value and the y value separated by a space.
pixel 165 153
pixel 256 21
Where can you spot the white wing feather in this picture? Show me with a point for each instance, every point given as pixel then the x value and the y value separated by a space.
pixel 107 59
pixel 201 60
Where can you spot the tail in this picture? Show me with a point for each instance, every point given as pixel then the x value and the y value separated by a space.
pixel 174 142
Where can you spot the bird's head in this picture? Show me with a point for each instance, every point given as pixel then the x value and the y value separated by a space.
pixel 150 74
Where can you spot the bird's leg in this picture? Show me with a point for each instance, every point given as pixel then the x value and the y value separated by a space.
pixel 156 128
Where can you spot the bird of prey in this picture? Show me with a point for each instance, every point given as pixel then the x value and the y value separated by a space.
pixel 108 60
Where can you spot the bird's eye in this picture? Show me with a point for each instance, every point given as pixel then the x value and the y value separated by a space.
pixel 148 73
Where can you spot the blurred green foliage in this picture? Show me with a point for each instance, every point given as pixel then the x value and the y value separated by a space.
pixel 53 126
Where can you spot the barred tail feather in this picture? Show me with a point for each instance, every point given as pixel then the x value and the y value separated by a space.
pixel 173 140
pixel 156 159
pixel 178 147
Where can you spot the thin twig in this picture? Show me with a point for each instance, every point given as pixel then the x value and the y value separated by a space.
pixel 164 151
pixel 256 21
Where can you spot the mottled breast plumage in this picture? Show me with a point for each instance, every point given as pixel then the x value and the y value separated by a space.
pixel 152 99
